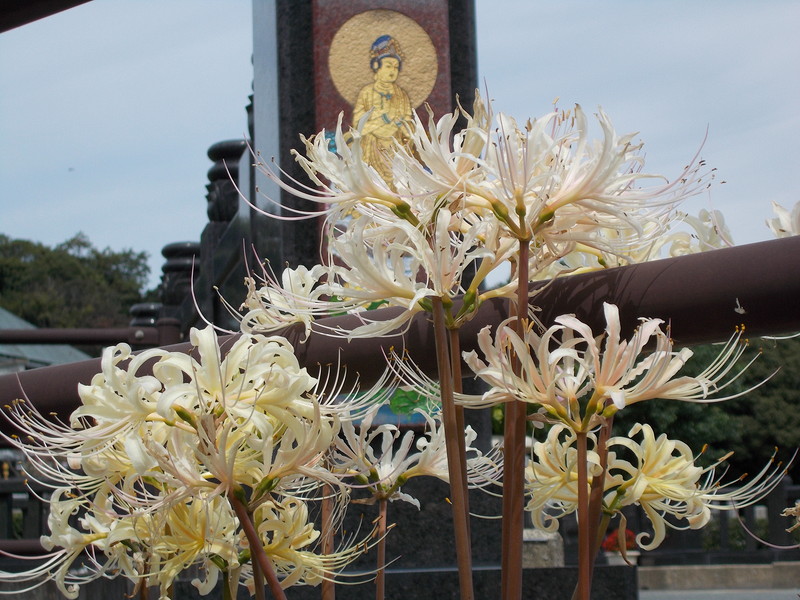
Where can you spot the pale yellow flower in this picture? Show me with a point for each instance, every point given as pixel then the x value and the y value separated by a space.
pixel 151 460
pixel 662 477
pixel 666 482
pixel 551 477
pixel 270 307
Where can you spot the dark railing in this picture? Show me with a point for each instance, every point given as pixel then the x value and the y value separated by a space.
pixel 162 333
pixel 23 515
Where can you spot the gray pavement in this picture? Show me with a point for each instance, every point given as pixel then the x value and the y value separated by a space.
pixel 792 594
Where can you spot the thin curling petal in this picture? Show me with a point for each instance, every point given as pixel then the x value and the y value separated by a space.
pixel 272 306
pixel 664 479
pixel 551 477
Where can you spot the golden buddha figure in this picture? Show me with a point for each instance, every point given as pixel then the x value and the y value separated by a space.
pixel 387 106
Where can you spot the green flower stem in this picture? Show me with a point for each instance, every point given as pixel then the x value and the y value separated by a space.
pixel 452 435
pixel 380 577
pixel 604 521
pixel 256 549
pixel 226 586
pixel 514 455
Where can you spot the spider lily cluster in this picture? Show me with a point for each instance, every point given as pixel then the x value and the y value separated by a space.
pixel 153 466
pixel 214 459
pixel 462 202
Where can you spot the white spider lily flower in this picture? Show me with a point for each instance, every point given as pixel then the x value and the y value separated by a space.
pixel 345 181
pixel 383 472
pixel 567 366
pixel 549 173
pixel 443 161
pixel 377 264
pixel 116 410
pixel 258 380
pixel 608 248
pixel 270 307
pixel 77 529
pixel 185 534
pixel 290 539
pixel 666 482
pixel 551 477
pixel 785 223
pixel 152 461
pixel 104 439
pixel 621 370
pixel 342 176
pixel 380 471
pixel 708 232
pixel 389 260
pixel 540 381
pixel 662 477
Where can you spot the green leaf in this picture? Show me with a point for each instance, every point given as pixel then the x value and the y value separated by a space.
pixel 404 402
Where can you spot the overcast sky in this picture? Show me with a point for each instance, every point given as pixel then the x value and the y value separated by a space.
pixel 107 109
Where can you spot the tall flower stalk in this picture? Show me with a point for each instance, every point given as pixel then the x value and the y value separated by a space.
pixel 455 463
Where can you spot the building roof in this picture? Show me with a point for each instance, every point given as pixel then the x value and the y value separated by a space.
pixel 34 355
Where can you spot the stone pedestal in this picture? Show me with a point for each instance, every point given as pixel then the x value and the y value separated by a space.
pixel 541 549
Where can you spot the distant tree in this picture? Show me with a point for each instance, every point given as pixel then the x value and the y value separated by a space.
pixel 72 284
pixel 768 417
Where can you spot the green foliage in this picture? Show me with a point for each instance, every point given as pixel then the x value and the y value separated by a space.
pixel 737 536
pixel 72 284
pixel 404 402
pixel 768 417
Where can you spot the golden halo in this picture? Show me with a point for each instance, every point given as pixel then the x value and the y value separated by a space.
pixel 349 55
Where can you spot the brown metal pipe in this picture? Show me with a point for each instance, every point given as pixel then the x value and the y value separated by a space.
pixel 698 294
pixel 166 331
pixel 24 547
pixel 135 335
